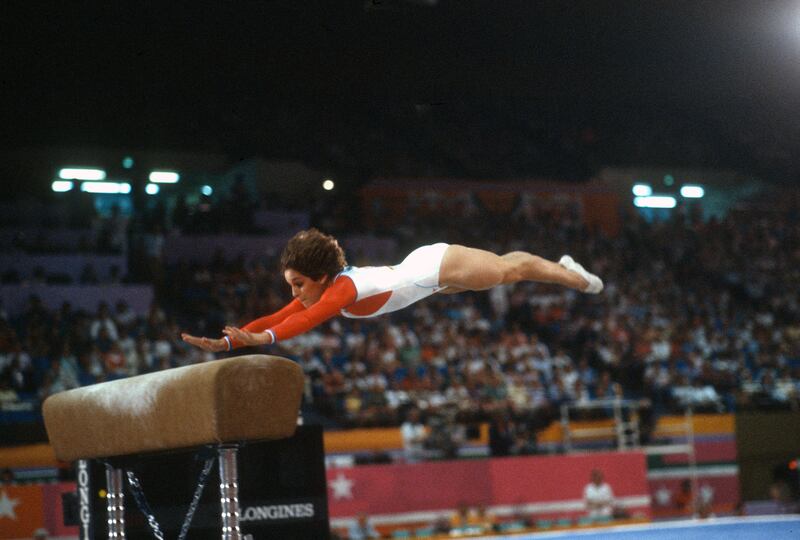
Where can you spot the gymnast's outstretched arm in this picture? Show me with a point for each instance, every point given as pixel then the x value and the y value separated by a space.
pixel 292 320
pixel 337 297
pixel 255 327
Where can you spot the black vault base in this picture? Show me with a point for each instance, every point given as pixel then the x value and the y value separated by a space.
pixel 282 491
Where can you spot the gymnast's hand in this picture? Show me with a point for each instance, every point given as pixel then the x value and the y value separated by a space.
pixel 246 337
pixel 207 344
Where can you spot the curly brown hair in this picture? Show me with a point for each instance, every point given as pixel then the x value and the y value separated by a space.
pixel 314 254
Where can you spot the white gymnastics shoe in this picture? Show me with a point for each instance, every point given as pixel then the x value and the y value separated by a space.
pixel 595 283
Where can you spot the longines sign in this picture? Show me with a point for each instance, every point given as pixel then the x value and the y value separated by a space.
pixel 279 512
pixel 84 502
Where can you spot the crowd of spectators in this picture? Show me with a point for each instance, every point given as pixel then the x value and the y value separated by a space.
pixel 44 351
pixel 695 313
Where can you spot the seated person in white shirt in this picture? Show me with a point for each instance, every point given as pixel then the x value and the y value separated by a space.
pixel 598 497
pixel 414 435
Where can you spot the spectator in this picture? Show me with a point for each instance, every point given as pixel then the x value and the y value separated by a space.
pixel 104 341
pixel 780 495
pixel 598 497
pixel 103 321
pixel 485 519
pixel 445 436
pixel 524 443
pixel 414 435
pixel 126 342
pixel 116 364
pixel 156 318
pixel 684 499
pixel 362 529
pixel 124 316
pixel 20 373
pixel 69 369
pixel 162 347
pixel 93 363
pixel 465 521
pixel 7 477
pixel 142 360
pixel 502 434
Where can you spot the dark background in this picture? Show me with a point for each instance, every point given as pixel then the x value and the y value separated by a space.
pixel 315 80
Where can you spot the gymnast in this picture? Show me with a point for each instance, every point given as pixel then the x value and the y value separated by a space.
pixel 323 285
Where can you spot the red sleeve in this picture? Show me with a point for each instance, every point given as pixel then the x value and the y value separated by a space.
pixel 337 297
pixel 268 321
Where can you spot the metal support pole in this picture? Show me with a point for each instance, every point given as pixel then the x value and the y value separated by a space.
pixel 229 493
pixel 566 436
pixel 115 503
pixel 689 419
pixel 619 424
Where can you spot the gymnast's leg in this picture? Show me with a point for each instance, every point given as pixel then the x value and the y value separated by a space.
pixel 465 268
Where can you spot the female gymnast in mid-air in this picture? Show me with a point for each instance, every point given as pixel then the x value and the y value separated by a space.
pixel 323 286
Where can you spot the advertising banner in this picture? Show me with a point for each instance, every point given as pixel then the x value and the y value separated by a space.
pixel 20 511
pixel 533 487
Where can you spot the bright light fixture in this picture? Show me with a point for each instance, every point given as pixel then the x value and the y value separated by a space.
pixel 164 177
pixel 82 174
pixel 151 189
pixel 328 184
pixel 642 190
pixel 692 192
pixel 60 186
pixel 106 187
pixel 207 190
pixel 655 201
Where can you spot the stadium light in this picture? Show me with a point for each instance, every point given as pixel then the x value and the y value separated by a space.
pixel 60 186
pixel 106 187
pixel 642 190
pixel 692 192
pixel 152 189
pixel 655 201
pixel 207 190
pixel 164 177
pixel 82 174
pixel 328 184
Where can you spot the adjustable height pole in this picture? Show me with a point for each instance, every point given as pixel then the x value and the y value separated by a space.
pixel 115 503
pixel 229 493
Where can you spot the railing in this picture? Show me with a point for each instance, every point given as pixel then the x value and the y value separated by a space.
pixel 625 431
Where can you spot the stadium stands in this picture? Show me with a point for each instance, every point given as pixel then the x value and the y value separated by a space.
pixel 700 314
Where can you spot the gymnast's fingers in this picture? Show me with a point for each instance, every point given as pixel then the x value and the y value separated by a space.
pixel 239 334
pixel 214 345
pixel 204 343
pixel 232 331
pixel 188 338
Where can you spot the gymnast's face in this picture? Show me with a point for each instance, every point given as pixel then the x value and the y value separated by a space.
pixel 305 289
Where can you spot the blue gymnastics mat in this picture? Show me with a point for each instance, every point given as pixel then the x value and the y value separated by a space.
pixel 736 528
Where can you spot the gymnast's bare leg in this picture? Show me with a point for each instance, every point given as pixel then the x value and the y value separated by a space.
pixel 465 268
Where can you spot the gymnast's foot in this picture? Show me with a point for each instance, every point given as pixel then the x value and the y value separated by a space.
pixel 594 284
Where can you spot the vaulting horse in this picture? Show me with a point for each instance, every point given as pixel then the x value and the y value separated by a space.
pixel 220 404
